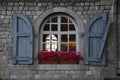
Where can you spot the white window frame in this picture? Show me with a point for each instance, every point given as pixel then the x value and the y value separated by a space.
pixel 76 32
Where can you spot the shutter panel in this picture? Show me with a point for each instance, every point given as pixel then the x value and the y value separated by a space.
pixel 22 40
pixel 95 37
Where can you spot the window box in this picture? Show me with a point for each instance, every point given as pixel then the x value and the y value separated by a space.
pixel 70 57
pixel 48 62
pixel 58 57
pixel 68 62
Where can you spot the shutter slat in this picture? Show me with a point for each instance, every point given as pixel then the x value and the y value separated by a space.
pixel 23 40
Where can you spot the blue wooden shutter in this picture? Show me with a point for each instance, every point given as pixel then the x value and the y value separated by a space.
pixel 22 40
pixel 95 40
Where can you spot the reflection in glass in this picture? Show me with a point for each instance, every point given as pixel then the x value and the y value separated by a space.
pixel 46 38
pixel 64 47
pixel 72 46
pixel 50 42
pixel 46 48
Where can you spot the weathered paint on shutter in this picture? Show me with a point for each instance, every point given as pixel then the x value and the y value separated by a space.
pixel 95 37
pixel 22 40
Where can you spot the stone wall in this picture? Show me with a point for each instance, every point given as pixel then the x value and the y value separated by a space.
pixel 86 9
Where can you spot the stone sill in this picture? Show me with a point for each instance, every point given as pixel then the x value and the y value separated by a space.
pixel 61 67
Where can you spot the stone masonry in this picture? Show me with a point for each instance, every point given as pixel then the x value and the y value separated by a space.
pixel 32 9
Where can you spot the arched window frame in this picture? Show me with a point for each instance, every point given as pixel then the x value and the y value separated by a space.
pixel 59 33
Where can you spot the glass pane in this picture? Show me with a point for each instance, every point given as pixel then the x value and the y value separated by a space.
pixel 46 27
pixel 72 38
pixel 54 20
pixel 71 27
pixel 64 38
pixel 46 38
pixel 54 40
pixel 64 27
pixel 64 20
pixel 72 46
pixel 46 46
pixel 54 47
pixel 70 21
pixel 64 47
pixel 48 21
pixel 54 27
pixel 54 37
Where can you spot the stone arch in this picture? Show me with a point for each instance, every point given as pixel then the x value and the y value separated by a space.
pixel 74 15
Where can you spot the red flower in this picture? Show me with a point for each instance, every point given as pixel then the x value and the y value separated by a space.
pixel 47 55
pixel 38 55
pixel 59 55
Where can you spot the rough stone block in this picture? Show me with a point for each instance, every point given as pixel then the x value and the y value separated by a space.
pixel 15 8
pixel 13 76
pixel 26 8
pixel 86 8
pixel 20 8
pixel 4 12
pixel 9 8
pixel 91 7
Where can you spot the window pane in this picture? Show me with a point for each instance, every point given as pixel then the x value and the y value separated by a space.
pixel 64 20
pixel 46 27
pixel 72 46
pixel 54 47
pixel 72 38
pixel 71 27
pixel 46 38
pixel 54 27
pixel 46 46
pixel 54 38
pixel 54 20
pixel 70 21
pixel 64 27
pixel 64 47
pixel 48 21
pixel 64 38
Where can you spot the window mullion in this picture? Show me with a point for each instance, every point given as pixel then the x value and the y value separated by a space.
pixel 59 33
pixel 41 38
pixel 50 36
pixel 68 36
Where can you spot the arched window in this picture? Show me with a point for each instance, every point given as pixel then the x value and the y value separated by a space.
pixel 59 32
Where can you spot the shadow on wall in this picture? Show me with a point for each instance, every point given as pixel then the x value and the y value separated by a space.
pixel 3 79
pixel 112 79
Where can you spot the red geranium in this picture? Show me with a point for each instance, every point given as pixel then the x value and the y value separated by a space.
pixel 71 55
pixel 59 55
pixel 47 55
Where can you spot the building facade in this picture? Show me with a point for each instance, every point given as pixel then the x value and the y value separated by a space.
pixel 85 26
